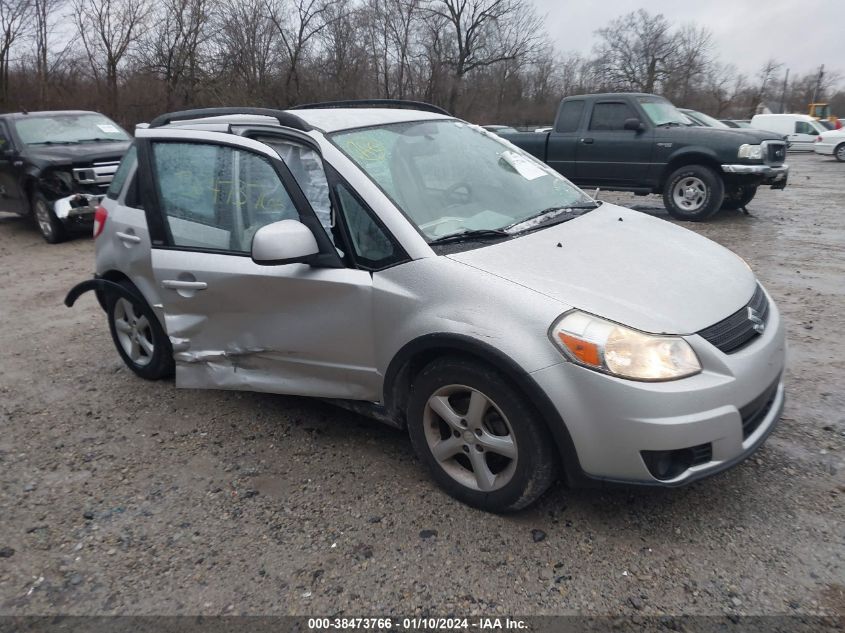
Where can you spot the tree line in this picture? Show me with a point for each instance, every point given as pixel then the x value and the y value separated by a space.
pixel 490 61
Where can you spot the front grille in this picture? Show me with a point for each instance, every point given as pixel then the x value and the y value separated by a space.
pixel 775 152
pixel 742 326
pixel 756 411
pixel 99 174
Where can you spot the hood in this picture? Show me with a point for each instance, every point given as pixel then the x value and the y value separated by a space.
pixel 56 155
pixel 625 266
pixel 737 135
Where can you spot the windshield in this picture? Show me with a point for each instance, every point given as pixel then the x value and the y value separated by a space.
pixel 707 120
pixel 661 112
pixel 68 129
pixel 450 177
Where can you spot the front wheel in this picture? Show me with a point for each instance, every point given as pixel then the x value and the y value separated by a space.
pixel 693 193
pixel 482 441
pixel 50 227
pixel 739 196
pixel 138 336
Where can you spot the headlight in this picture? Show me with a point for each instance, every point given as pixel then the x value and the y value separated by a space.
pixel 615 349
pixel 752 152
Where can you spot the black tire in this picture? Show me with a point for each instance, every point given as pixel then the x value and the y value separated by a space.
pixel 839 152
pixel 707 190
pixel 50 227
pixel 158 364
pixel 739 196
pixel 517 482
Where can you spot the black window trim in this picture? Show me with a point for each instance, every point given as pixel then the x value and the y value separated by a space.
pixel 336 179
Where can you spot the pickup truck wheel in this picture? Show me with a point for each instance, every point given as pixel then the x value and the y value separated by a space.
pixel 481 439
pixel 739 196
pixel 138 336
pixel 839 152
pixel 693 192
pixel 52 230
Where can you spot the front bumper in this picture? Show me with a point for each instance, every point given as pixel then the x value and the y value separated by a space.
pixel 769 175
pixel 729 409
pixel 77 209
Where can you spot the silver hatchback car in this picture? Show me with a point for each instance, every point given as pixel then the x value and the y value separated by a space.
pixel 420 269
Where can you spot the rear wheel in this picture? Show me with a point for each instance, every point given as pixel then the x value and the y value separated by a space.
pixel 482 441
pixel 739 196
pixel 839 152
pixel 52 230
pixel 693 192
pixel 138 336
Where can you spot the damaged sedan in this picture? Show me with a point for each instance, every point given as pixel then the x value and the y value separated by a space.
pixel 55 167
pixel 408 265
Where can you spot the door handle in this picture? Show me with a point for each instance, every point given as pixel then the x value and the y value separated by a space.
pixel 128 238
pixel 178 284
pixel 587 140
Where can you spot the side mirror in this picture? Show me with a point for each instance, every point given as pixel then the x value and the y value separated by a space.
pixel 283 242
pixel 634 124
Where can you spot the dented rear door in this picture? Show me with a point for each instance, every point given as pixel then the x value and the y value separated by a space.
pixel 234 324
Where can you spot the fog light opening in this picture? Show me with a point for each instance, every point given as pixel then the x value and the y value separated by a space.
pixel 666 465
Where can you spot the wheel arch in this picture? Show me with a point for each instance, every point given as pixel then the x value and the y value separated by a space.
pixel 418 353
pixel 692 157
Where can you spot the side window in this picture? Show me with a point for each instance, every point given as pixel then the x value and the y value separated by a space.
pixel 217 197
pixel 570 116
pixel 802 127
pixel 130 158
pixel 373 246
pixel 610 116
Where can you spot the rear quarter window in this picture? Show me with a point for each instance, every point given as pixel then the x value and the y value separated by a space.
pixel 130 158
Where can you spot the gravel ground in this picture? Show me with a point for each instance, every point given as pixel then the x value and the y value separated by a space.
pixel 123 496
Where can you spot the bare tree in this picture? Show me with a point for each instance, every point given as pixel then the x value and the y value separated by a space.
pixel 298 23
pixel 689 62
pixel 483 33
pixel 635 51
pixel 760 92
pixel 108 29
pixel 172 50
pixel 246 46
pixel 43 26
pixel 14 16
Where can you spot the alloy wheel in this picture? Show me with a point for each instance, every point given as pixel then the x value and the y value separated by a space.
pixel 689 193
pixel 470 437
pixel 42 216
pixel 134 333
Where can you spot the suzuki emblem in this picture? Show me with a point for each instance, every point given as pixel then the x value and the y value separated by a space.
pixel 754 317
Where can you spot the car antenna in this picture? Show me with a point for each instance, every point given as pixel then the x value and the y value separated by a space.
pixel 596 194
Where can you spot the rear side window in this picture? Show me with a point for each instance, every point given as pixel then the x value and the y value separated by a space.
pixel 570 116
pixel 610 116
pixel 130 158
pixel 216 197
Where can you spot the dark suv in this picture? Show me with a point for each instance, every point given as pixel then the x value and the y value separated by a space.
pixel 56 167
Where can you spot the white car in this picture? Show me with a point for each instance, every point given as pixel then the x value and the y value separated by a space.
pixel 831 143
pixel 407 264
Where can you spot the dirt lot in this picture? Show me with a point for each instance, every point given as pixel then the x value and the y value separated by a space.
pixel 123 496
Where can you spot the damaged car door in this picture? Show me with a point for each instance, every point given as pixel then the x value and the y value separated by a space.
pixel 234 323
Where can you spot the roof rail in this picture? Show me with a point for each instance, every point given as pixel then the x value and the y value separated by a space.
pixel 284 118
pixel 375 103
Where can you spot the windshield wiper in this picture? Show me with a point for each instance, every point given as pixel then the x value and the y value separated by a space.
pixel 98 139
pixel 53 143
pixel 470 234
pixel 670 124
pixel 535 220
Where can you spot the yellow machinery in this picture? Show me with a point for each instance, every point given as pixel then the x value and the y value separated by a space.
pixel 822 111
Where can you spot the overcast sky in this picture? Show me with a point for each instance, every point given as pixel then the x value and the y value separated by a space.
pixel 800 34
